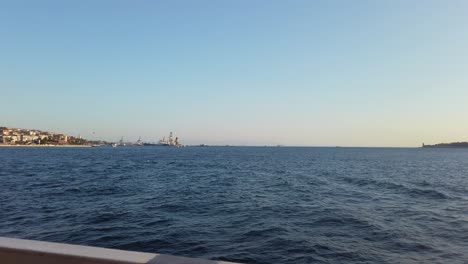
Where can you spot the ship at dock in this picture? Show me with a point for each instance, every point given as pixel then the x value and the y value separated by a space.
pixel 171 141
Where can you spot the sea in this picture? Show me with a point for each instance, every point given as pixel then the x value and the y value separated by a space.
pixel 243 204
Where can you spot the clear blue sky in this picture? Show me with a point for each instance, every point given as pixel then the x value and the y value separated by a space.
pixel 324 73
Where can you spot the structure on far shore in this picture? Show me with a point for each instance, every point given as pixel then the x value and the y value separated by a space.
pixel 20 136
pixel 34 137
pixel 169 142
pixel 447 145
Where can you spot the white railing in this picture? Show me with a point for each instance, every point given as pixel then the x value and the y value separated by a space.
pixel 20 251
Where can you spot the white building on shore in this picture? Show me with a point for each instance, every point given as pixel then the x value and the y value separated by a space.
pixel 26 136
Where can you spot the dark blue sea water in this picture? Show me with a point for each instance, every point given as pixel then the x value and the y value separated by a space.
pixel 251 205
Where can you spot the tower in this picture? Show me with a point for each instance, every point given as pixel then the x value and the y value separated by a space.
pixel 171 140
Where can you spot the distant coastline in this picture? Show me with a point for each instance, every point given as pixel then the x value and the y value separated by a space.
pixel 20 137
pixel 43 146
pixel 447 145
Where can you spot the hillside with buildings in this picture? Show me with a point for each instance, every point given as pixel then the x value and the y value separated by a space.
pixel 20 136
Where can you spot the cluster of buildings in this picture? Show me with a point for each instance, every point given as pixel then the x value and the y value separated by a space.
pixel 18 136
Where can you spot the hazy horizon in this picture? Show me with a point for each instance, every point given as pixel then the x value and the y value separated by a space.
pixel 299 73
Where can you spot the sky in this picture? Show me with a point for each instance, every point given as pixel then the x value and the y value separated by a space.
pixel 308 73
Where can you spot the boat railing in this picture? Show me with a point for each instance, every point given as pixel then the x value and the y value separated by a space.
pixel 20 251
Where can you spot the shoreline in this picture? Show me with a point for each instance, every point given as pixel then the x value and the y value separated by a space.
pixel 43 146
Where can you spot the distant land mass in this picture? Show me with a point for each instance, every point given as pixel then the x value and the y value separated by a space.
pixel 35 137
pixel 447 145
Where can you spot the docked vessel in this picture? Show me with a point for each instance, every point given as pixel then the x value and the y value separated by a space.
pixel 171 141
pixel 121 143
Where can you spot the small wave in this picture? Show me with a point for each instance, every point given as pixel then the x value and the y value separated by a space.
pixel 271 231
pixel 412 246
pixel 428 193
pixel 105 217
pixel 173 208
pixel 73 190
pixel 334 221
pixel 399 188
